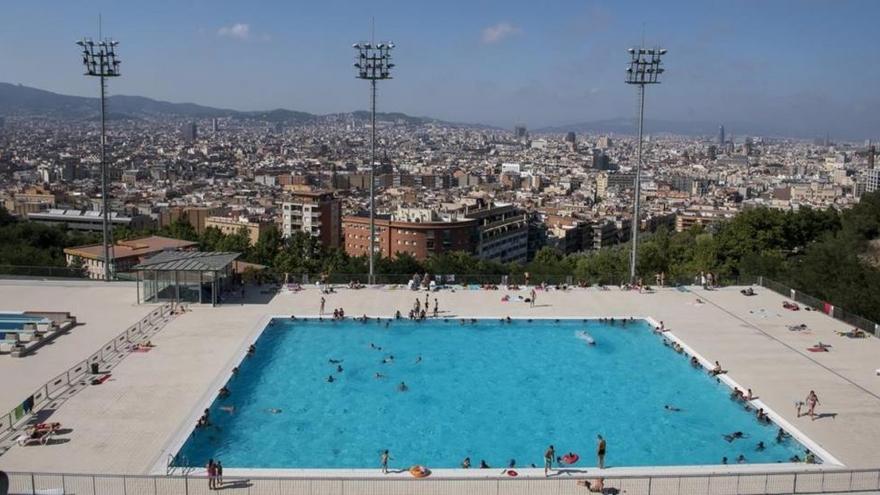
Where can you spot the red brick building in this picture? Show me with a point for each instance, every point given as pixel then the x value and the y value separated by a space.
pixel 419 239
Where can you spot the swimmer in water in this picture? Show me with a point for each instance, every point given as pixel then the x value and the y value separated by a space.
pixel 379 376
pixel 760 447
pixel 402 387
pixel 781 435
pixel 338 368
pixel 730 437
pixel 671 408
pixel 418 359
pixel 335 361
pixel 229 409
pixel 273 410
pixel 330 379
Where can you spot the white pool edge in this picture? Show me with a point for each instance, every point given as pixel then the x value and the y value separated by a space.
pixel 159 466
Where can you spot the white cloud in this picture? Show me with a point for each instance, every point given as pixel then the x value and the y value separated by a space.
pixel 496 33
pixel 238 30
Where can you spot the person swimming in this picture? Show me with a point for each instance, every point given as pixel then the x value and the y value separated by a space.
pixel 338 368
pixel 730 437
pixel 379 376
pixel 760 447
pixel 402 387
pixel 229 409
pixel 335 361
pixel 466 463
pixel 273 410
pixel 781 436
pixel 418 359
pixel 330 379
pixel 483 464
pixel 671 408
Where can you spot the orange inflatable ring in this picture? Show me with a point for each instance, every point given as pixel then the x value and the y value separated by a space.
pixel 419 471
pixel 570 458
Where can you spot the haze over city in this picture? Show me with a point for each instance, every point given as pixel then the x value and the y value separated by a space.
pixel 796 68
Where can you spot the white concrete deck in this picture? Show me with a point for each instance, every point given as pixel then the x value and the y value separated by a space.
pixel 102 310
pixel 124 425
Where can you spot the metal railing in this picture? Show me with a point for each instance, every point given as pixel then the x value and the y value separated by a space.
pixel 495 279
pixel 42 271
pixel 110 352
pixel 747 483
pixel 819 305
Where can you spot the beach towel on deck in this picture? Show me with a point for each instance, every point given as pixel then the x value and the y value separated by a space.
pixel 827 308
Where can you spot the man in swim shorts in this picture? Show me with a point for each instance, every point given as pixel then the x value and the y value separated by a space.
pixel 549 455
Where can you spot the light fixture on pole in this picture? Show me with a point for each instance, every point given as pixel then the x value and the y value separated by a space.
pixel 100 61
pixel 644 68
pixel 373 63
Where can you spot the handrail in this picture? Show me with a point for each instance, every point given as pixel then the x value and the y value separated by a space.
pixel 110 350
pixel 729 483
pixel 833 311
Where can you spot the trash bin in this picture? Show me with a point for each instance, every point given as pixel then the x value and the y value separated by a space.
pixel 94 368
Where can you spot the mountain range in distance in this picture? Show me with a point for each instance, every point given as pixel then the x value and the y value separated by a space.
pixel 19 100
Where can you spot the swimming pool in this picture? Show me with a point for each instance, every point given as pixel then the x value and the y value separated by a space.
pixel 16 321
pixel 486 390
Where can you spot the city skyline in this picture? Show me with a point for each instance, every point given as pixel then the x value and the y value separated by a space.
pixel 493 63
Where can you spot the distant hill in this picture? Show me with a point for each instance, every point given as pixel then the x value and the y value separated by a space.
pixel 24 100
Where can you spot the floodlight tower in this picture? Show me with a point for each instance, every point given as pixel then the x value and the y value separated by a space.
pixel 644 68
pixel 100 61
pixel 373 63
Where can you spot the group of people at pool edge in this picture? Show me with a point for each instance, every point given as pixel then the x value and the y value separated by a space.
pixel 550 458
pixel 746 399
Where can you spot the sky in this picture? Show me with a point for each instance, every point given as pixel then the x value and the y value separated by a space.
pixel 806 66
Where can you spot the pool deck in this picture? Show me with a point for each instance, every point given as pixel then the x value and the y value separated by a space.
pixel 102 312
pixel 130 423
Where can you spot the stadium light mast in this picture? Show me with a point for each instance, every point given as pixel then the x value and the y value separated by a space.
pixel 99 59
pixel 644 68
pixel 373 63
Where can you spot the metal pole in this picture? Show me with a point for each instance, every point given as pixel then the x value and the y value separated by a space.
pixel 373 184
pixel 106 222
pixel 638 189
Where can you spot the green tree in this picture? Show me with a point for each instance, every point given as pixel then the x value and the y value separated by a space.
pixel 179 229
pixel 267 247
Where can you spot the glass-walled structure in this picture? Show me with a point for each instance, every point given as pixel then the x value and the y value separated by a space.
pixel 185 276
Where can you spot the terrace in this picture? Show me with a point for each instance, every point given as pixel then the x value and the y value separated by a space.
pixel 134 423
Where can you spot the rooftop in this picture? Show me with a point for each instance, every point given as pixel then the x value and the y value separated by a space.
pixel 188 261
pixel 143 246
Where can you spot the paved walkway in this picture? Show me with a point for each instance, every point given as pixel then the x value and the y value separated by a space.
pixel 124 425
pixel 102 311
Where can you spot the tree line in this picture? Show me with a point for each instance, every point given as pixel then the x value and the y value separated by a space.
pixel 825 253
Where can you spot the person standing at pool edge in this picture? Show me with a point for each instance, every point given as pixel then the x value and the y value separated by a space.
pixel 384 459
pixel 812 401
pixel 549 455
pixel 600 451
pixel 210 469
pixel 322 306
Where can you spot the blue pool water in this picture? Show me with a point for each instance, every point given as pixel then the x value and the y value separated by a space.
pixel 487 390
pixel 16 321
